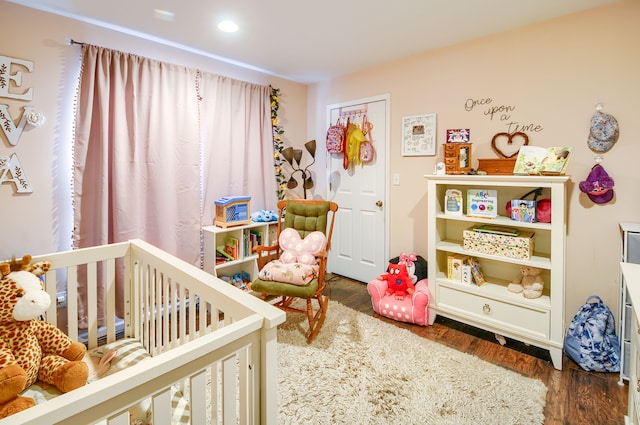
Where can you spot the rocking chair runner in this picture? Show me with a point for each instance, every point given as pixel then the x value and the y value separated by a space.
pixel 305 216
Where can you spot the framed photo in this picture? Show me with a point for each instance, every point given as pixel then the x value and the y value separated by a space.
pixel 419 135
pixel 458 135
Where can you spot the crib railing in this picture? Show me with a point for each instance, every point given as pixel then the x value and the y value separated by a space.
pixel 213 341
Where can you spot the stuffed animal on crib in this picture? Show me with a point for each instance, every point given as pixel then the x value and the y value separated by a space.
pixel 528 282
pixel 30 348
pixel 399 284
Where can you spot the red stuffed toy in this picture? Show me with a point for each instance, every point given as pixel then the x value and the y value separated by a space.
pixel 398 281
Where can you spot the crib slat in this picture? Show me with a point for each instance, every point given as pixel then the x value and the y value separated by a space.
pixel 51 285
pixel 159 311
pixel 149 334
pixel 72 302
pixel 172 327
pixel 183 316
pixel 162 408
pixel 192 316
pixel 166 313
pixel 198 398
pixel 244 379
pixel 215 393
pixel 229 390
pixel 92 303
pixel 110 292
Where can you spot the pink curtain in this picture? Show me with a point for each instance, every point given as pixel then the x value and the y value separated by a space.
pixel 136 154
pixel 156 144
pixel 237 143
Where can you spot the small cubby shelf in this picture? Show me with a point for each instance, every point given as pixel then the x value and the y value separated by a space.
pixel 491 306
pixel 214 236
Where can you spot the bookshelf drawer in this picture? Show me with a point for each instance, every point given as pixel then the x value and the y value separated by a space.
pixel 502 314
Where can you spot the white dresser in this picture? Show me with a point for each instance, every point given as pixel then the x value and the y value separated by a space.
pixel 629 253
pixel 631 276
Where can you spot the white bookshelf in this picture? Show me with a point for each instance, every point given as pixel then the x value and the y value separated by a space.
pixel 215 236
pixel 492 307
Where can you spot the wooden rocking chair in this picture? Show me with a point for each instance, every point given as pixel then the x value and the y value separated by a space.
pixel 305 216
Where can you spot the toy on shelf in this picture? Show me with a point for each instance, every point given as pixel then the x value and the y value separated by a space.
pixel 264 216
pixel 528 282
pixel 233 211
pixel 239 280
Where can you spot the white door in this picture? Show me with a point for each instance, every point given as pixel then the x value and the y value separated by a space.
pixel 359 244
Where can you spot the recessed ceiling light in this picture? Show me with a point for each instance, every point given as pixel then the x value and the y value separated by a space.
pixel 228 26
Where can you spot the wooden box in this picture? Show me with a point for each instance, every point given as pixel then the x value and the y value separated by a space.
pixel 497 165
pixel 457 158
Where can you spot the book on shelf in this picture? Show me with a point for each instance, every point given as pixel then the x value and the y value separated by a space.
pixel 255 239
pixel 221 253
pixel 533 160
pixel 454 266
pixel 232 247
pixel 246 243
pixel 478 277
pixel 464 269
pixel 482 203
pixel 523 210
pixel 497 230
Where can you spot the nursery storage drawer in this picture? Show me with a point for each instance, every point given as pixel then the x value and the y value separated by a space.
pixel 502 314
pixel 519 247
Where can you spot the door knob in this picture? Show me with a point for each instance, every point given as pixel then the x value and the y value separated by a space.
pixel 379 204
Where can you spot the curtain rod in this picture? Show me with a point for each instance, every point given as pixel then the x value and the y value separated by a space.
pixel 71 42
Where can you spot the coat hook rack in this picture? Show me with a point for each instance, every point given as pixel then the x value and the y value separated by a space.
pixel 353 112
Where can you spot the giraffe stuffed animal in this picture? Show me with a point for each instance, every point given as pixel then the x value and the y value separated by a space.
pixel 30 348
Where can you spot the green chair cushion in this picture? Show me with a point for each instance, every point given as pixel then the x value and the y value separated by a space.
pixel 306 218
pixel 287 289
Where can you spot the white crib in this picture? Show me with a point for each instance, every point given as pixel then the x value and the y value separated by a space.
pixel 217 343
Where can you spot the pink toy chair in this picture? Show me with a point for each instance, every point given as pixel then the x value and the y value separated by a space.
pixel 413 308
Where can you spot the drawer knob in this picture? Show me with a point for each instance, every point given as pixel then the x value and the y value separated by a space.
pixel 486 309
pixel 638 386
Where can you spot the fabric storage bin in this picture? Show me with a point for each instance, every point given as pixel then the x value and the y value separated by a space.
pixel 519 247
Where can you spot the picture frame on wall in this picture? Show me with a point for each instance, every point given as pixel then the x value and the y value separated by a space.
pixel 419 135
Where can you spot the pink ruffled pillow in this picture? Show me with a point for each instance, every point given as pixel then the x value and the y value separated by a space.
pixel 298 250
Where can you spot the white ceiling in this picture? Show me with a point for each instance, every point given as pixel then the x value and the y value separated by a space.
pixel 309 41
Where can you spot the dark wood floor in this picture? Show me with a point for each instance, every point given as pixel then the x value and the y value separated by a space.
pixel 574 397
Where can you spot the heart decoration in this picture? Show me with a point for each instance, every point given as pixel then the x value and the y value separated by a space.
pixel 505 140
pixel 298 250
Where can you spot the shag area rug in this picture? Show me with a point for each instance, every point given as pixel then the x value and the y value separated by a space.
pixel 361 370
